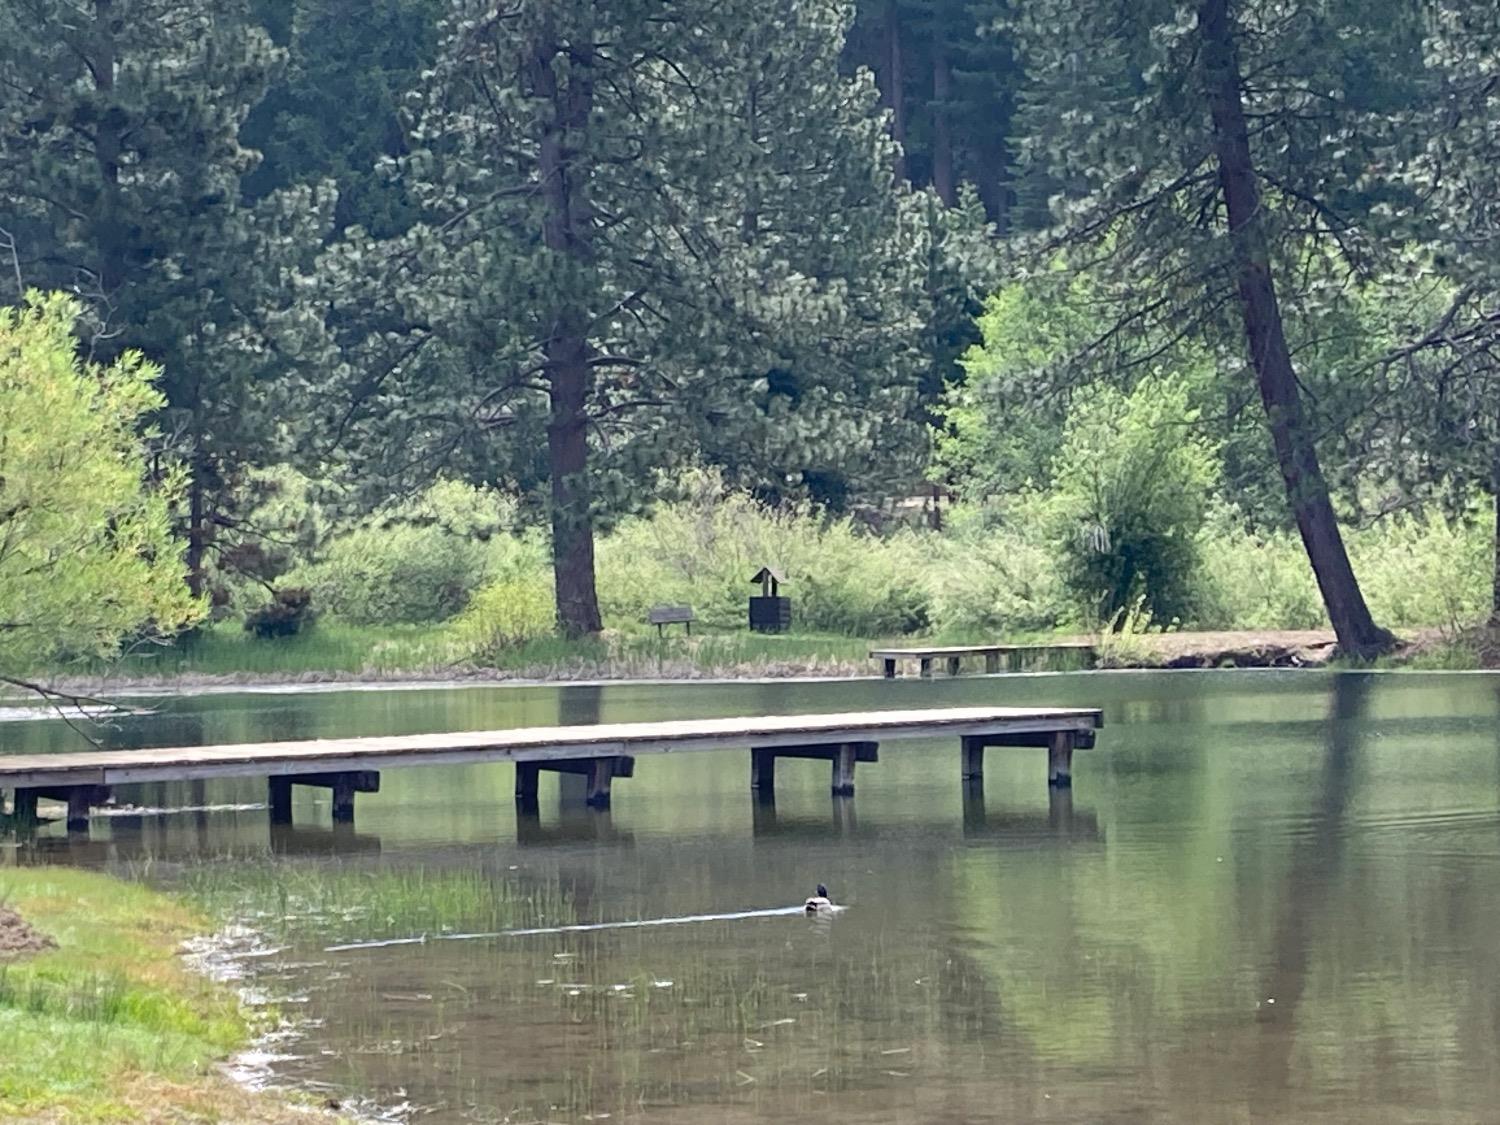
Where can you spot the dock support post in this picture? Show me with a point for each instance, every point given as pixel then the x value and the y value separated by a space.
pixel 527 776
pixel 890 668
pixel 954 663
pixel 601 773
pixel 763 771
pixel 992 662
pixel 24 808
pixel 926 667
pixel 341 785
pixel 843 769
pixel 279 797
pixel 971 753
pixel 79 802
pixel 1060 759
pixel 343 798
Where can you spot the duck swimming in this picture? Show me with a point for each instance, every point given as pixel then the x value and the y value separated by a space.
pixel 819 902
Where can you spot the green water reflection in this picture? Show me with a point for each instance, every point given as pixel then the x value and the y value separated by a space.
pixel 1270 896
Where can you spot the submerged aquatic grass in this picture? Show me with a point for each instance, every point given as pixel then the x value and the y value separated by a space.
pixel 289 899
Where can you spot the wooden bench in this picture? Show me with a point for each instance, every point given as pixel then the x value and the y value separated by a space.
pixel 663 615
pixel 601 752
pixel 954 654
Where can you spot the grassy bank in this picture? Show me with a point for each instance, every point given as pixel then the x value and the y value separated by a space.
pixel 224 654
pixel 111 1025
pixel 334 650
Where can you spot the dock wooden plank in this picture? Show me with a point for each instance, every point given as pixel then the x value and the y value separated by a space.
pixel 274 759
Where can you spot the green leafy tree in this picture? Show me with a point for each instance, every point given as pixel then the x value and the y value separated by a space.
pixel 1434 422
pixel 87 555
pixel 644 233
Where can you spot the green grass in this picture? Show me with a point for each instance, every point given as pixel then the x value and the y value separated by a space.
pixel 331 648
pixel 113 1000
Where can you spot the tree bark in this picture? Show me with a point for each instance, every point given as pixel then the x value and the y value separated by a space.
pixel 108 146
pixel 942 128
pixel 895 83
pixel 566 232
pixel 1306 487
pixel 1494 621
pixel 197 532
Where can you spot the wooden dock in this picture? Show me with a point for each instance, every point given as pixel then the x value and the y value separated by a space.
pixel 601 752
pixel 953 655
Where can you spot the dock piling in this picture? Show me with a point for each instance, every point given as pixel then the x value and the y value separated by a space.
pixel 843 769
pixel 1060 759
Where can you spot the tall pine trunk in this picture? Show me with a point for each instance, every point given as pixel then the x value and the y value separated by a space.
pixel 108 145
pixel 566 232
pixel 895 83
pixel 1494 621
pixel 943 181
pixel 1306 487
pixel 197 530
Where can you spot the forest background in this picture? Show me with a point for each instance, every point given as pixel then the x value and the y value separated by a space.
pixel 470 325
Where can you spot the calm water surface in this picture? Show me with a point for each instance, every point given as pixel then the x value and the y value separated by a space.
pixel 1269 896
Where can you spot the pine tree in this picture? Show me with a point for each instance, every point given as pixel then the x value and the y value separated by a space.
pixel 1199 223
pixel 336 111
pixel 645 234
pixel 120 170
pixel 947 74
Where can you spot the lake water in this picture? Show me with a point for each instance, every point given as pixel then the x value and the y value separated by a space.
pixel 1269 896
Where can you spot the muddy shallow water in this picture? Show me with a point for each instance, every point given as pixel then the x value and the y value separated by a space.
pixel 1269 896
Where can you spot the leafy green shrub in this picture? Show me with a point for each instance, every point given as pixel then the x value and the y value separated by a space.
pixel 1426 570
pixel 288 613
pixel 1414 571
pixel 400 574
pixel 419 561
pixel 997 580
pixel 702 550
pixel 1251 580
pixel 1130 495
pixel 505 614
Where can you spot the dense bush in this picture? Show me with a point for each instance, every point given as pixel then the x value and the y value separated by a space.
pixel 507 613
pixel 395 574
pixel 289 611
pixel 1251 580
pixel 1013 567
pixel 1129 496
pixel 1426 570
pixel 997 579
pixel 703 549
pixel 421 561
pixel 1414 570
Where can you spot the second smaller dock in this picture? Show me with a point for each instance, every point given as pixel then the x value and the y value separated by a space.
pixel 1012 656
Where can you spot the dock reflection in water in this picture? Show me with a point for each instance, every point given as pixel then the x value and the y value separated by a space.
pixel 1268 897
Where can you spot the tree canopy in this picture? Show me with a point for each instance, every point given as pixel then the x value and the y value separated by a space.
pixel 829 250
pixel 87 555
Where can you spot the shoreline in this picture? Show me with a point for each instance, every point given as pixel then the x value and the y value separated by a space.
pixel 1248 649
pixel 108 1016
